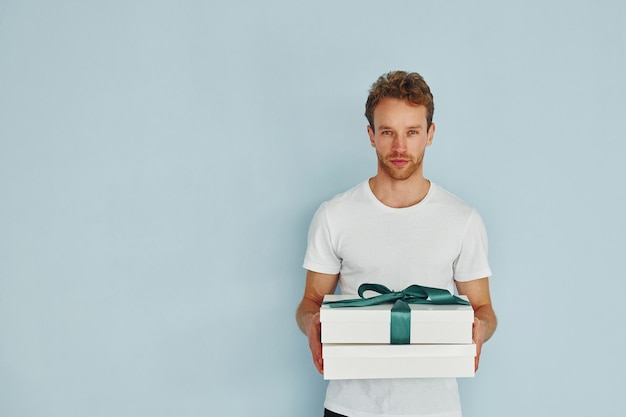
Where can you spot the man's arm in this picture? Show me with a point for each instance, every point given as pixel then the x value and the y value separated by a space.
pixel 485 322
pixel 308 313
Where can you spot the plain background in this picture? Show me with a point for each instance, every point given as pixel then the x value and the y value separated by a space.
pixel 160 162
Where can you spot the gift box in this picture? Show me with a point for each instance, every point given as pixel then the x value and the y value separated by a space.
pixel 429 323
pixel 359 361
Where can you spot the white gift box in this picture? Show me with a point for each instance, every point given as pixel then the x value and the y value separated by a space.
pixel 430 323
pixel 356 361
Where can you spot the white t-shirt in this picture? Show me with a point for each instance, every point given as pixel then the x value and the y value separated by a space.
pixel 432 243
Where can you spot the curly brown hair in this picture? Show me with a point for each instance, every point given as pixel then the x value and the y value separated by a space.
pixel 401 85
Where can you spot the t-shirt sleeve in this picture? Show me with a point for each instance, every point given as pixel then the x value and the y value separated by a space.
pixel 320 255
pixel 472 262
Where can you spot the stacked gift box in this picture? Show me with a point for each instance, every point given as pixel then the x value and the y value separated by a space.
pixel 356 342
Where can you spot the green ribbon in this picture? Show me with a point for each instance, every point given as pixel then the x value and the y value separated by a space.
pixel 400 333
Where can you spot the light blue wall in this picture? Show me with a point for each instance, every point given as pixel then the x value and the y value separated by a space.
pixel 160 162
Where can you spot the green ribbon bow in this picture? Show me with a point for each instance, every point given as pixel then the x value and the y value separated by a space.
pixel 401 311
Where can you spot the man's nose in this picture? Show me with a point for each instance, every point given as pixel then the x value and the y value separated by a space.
pixel 399 142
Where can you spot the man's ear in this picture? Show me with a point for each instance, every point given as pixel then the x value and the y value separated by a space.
pixel 431 134
pixel 370 133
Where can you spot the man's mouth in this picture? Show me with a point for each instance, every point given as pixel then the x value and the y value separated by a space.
pixel 399 162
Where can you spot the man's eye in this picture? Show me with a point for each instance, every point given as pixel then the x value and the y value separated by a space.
pixel 386 132
pixel 412 132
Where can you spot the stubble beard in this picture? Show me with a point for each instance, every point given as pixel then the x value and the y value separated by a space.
pixel 400 173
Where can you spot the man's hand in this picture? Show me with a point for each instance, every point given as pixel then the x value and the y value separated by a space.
pixel 315 342
pixel 308 313
pixel 478 335
pixel 485 321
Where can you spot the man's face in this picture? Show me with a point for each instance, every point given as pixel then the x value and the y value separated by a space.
pixel 400 138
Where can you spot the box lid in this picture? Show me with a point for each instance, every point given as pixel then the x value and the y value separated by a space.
pixel 381 312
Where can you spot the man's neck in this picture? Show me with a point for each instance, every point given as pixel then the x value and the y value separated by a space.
pixel 399 194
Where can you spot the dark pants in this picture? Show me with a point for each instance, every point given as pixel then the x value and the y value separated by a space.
pixel 328 413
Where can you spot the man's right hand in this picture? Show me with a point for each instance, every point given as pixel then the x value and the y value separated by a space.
pixel 314 333
pixel 308 313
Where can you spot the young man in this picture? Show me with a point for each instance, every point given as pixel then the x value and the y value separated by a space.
pixel 396 229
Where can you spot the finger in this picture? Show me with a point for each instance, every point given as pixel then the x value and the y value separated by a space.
pixel 477 357
pixel 316 352
pixel 318 362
